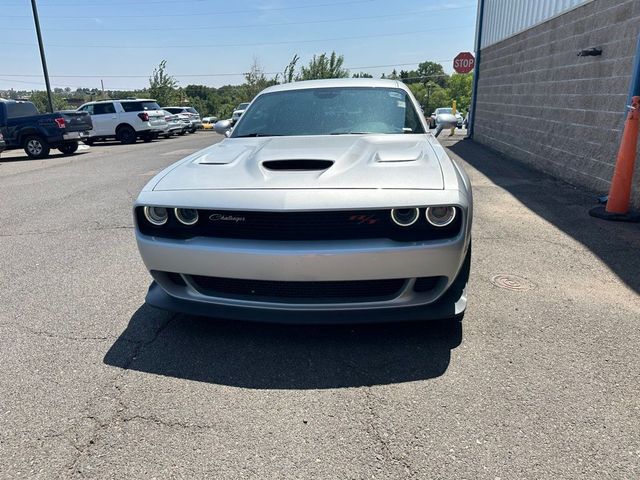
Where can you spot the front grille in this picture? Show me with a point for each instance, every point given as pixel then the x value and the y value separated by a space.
pixel 299 292
pixel 314 225
pixel 426 284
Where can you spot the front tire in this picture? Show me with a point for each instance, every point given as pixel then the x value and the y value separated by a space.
pixel 36 147
pixel 68 148
pixel 126 135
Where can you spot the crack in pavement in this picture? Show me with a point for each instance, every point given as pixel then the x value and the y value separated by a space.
pixel 82 450
pixel 374 430
pixel 158 421
pixel 48 334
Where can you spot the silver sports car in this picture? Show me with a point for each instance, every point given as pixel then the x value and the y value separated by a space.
pixel 329 201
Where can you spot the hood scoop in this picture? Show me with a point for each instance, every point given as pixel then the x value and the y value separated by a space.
pixel 300 165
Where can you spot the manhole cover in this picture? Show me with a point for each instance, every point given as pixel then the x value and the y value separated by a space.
pixel 512 282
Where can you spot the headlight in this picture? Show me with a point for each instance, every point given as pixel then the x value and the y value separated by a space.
pixel 440 216
pixel 156 215
pixel 405 216
pixel 186 216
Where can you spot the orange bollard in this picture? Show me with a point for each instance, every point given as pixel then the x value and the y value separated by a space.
pixel 619 201
pixel 620 191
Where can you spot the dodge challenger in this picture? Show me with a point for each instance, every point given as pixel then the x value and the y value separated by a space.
pixel 328 201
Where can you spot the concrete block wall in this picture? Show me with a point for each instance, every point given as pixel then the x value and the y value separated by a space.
pixel 539 103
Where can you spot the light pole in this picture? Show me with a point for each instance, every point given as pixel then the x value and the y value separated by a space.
pixel 42 57
pixel 429 85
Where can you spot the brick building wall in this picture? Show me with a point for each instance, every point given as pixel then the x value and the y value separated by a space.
pixel 538 102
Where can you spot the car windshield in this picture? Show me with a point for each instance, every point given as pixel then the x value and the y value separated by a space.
pixel 444 110
pixel 330 111
pixel 242 106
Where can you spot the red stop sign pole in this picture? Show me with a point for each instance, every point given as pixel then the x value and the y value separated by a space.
pixel 464 62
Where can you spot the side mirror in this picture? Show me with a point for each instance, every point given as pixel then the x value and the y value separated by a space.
pixel 222 126
pixel 447 120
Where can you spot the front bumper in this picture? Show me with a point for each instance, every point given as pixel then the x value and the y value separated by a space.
pixel 328 261
pixel 451 305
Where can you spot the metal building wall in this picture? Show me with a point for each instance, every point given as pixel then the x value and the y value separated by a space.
pixel 504 18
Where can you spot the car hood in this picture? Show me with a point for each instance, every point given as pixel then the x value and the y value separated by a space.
pixel 310 162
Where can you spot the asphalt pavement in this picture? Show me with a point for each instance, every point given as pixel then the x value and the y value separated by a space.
pixel 540 381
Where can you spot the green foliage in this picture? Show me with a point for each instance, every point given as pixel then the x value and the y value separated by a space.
pixel 440 97
pixel 289 73
pixel 433 88
pixel 419 91
pixel 162 87
pixel 39 99
pixel 432 71
pixel 460 87
pixel 322 66
pixel 256 81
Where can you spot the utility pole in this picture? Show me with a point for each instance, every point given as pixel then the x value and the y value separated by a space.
pixel 44 60
pixel 102 85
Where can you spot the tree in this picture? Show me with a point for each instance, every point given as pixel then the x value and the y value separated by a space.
pixel 433 71
pixel 362 75
pixel 439 97
pixel 322 66
pixel 420 92
pixel 39 99
pixel 460 86
pixel 162 87
pixel 256 81
pixel 288 75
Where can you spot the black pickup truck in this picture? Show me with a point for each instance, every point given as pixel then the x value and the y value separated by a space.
pixel 24 127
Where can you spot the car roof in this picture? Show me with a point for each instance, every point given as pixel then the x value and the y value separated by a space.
pixel 337 83
pixel 120 100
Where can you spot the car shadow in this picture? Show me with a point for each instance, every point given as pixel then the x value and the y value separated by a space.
pixel 25 158
pixel 564 206
pixel 271 356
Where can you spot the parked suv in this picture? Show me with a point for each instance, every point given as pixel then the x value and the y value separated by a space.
pixel 237 113
pixel 125 120
pixel 194 116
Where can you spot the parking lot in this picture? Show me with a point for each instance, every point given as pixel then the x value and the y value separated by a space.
pixel 539 381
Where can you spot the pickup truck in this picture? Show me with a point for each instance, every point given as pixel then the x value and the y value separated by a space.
pixel 24 127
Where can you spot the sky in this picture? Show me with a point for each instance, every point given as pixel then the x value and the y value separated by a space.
pixel 208 42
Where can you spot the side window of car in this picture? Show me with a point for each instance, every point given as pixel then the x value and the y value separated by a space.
pixel 103 109
pixel 88 109
pixel 132 106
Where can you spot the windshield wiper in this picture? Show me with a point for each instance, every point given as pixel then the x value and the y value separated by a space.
pixel 259 134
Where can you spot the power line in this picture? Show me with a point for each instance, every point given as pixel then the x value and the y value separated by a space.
pixel 253 25
pixel 201 14
pixel 284 42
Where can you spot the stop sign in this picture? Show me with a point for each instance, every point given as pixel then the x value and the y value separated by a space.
pixel 464 62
